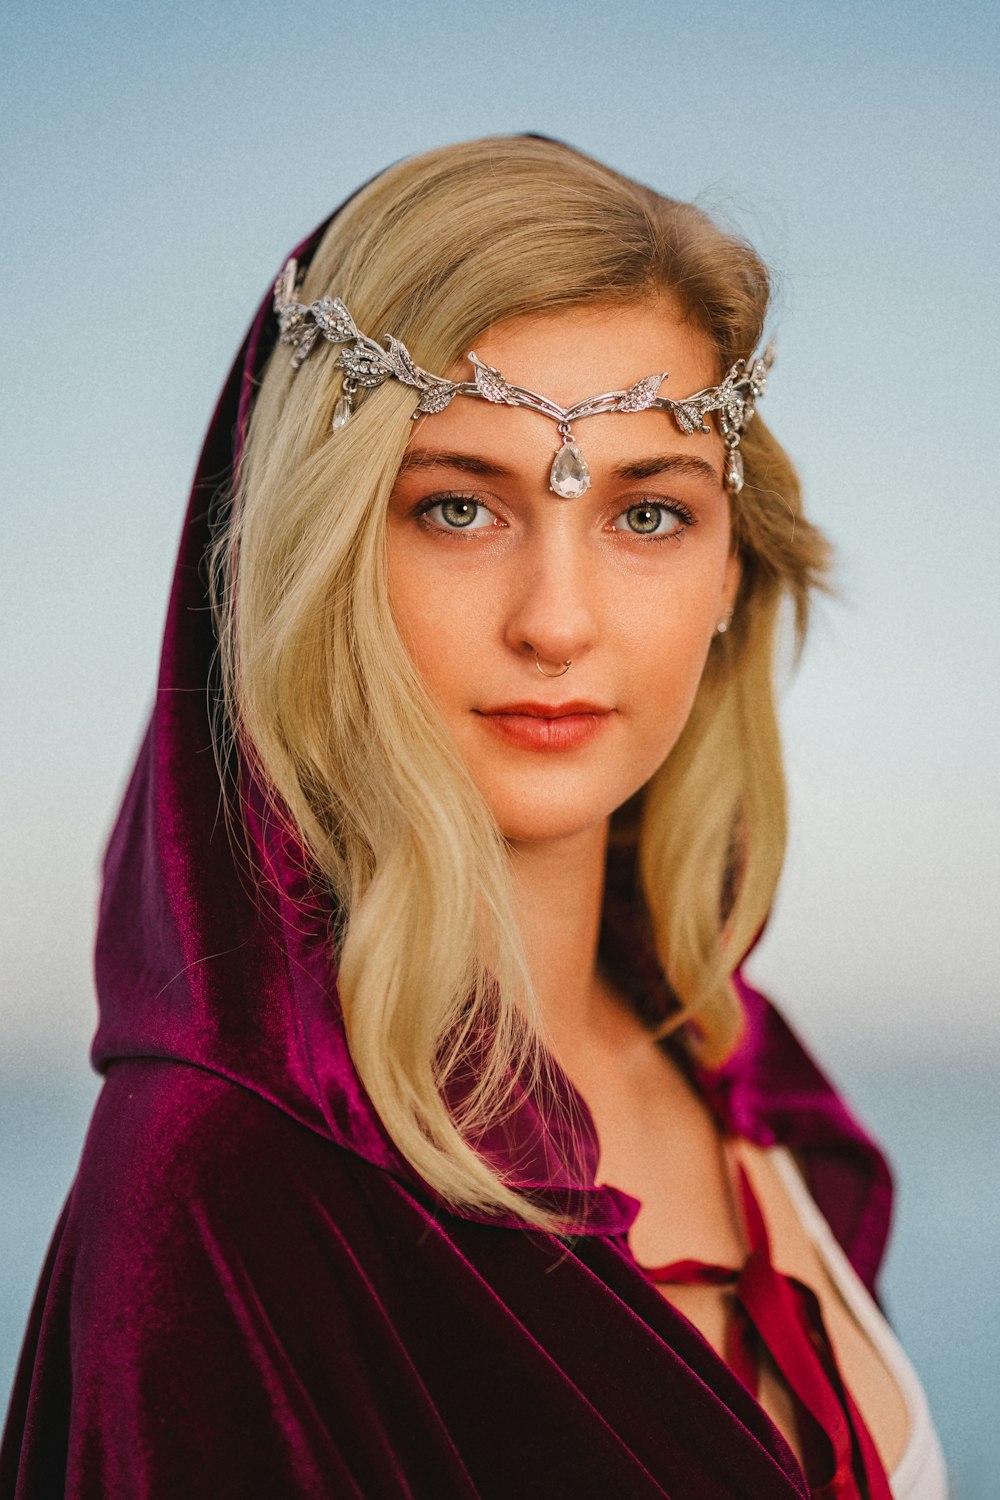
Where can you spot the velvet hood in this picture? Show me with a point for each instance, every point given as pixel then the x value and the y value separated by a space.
pixel 251 1293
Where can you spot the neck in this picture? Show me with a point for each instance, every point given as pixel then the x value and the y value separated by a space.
pixel 559 894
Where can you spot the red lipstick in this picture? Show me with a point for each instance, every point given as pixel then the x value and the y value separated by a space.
pixel 547 726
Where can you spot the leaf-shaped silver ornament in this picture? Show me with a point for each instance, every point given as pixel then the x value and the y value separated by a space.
pixel 730 398
pixel 743 411
pixel 760 370
pixel 333 320
pixel 491 384
pixel 401 363
pixel 287 285
pixel 758 378
pixel 641 396
pixel 303 338
pixel 689 416
pixel 436 398
pixel 735 408
pixel 291 321
pixel 364 362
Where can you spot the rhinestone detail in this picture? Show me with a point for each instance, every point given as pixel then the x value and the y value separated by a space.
pixel 367 364
pixel 569 477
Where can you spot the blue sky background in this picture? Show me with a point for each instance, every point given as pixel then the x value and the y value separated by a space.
pixel 160 161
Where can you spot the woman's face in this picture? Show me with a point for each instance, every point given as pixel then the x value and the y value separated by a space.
pixel 487 567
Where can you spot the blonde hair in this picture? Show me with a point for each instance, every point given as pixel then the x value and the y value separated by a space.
pixel 321 691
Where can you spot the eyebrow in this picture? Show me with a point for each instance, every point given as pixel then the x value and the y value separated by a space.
pixel 643 468
pixel 467 463
pixel 668 463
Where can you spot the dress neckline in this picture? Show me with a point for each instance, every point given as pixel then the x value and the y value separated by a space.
pixel 779 1314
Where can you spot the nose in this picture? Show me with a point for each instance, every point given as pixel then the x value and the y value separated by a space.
pixel 553 600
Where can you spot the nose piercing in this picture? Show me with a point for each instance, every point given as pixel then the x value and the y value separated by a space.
pixel 565 668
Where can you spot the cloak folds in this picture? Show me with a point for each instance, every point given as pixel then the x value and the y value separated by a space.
pixel 250 1293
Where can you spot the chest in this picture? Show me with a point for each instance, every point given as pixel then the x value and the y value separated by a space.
pixel 660 1143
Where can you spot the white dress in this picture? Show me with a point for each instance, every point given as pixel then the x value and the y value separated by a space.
pixel 920 1473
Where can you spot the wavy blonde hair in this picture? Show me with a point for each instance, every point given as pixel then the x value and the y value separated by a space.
pixel 319 687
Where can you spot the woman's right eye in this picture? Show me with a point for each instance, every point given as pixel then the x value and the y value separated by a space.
pixel 457 513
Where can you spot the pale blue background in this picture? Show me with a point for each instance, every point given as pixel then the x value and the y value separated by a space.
pixel 159 162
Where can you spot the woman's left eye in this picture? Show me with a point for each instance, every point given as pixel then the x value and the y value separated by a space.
pixel 650 520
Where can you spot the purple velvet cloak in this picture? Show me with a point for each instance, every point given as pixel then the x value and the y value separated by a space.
pixel 251 1293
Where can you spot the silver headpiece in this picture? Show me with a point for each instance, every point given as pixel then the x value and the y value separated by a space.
pixel 367 364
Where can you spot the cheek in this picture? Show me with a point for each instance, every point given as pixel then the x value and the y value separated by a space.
pixel 437 628
pixel 670 701
pixel 663 680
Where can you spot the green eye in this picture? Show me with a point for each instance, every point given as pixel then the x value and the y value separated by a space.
pixel 650 520
pixel 458 512
pixel 643 518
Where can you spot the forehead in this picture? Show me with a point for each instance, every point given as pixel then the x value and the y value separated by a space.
pixel 570 354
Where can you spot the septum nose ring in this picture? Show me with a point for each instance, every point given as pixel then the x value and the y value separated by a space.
pixel 563 669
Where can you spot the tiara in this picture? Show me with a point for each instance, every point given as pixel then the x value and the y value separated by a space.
pixel 367 364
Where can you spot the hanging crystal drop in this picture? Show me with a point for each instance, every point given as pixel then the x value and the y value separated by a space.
pixel 569 476
pixel 734 470
pixel 342 413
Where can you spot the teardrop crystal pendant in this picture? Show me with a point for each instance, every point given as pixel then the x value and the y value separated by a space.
pixel 734 470
pixel 569 476
pixel 342 413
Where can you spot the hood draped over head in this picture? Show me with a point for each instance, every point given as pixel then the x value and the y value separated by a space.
pixel 215 950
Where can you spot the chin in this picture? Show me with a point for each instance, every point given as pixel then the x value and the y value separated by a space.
pixel 532 820
pixel 552 800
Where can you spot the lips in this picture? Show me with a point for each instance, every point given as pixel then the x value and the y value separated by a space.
pixel 547 726
pixel 548 710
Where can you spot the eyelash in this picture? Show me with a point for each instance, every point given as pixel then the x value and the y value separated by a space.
pixel 427 505
pixel 675 508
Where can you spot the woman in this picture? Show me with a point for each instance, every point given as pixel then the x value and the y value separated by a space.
pixel 524 1202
